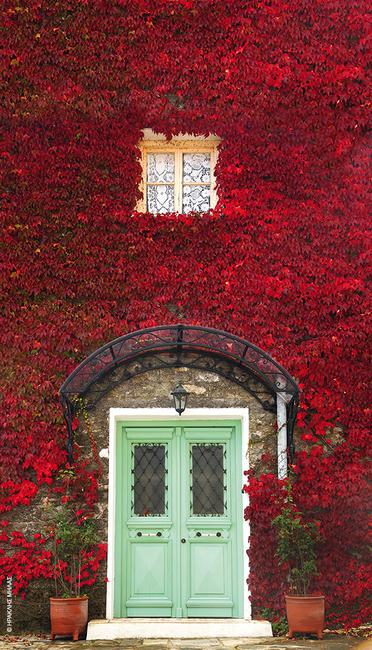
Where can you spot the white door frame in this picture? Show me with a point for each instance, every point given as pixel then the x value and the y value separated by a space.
pixel 151 414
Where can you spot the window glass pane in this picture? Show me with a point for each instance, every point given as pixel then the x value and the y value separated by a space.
pixel 208 485
pixel 196 168
pixel 196 198
pixel 160 198
pixel 149 479
pixel 160 168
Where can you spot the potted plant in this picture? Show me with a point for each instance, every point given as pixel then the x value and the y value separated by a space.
pixel 73 536
pixel 297 542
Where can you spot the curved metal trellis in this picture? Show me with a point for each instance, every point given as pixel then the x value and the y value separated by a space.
pixel 175 346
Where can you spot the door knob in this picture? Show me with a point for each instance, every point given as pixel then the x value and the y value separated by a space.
pixel 183 541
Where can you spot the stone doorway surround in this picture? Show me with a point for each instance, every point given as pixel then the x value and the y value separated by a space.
pixel 153 390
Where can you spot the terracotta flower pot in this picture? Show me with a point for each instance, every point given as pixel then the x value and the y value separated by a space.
pixel 305 614
pixel 68 616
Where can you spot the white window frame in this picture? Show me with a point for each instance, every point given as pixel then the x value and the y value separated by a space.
pixel 178 145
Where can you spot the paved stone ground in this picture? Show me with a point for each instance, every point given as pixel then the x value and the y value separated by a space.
pixel 328 643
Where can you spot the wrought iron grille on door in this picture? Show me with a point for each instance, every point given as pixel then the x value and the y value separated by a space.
pixel 149 479
pixel 208 479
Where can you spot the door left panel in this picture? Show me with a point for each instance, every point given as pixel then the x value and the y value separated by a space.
pixel 146 525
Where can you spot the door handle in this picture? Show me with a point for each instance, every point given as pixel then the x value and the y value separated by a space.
pixel 183 541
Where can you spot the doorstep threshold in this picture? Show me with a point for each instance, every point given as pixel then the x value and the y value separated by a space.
pixel 176 628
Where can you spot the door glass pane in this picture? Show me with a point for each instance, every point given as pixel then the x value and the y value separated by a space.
pixel 149 484
pixel 208 479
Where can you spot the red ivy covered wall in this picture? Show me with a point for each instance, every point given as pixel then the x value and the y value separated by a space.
pixel 281 261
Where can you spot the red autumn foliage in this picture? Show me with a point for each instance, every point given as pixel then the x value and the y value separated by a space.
pixel 282 260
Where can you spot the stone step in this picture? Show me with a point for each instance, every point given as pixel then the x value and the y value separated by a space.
pixel 177 628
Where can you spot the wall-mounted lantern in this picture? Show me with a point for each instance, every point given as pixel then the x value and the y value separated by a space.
pixel 180 396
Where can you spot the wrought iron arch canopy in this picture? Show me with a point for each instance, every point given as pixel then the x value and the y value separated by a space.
pixel 175 346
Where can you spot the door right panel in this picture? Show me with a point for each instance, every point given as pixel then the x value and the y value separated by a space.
pixel 209 561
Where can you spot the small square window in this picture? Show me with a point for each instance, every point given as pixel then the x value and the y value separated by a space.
pixel 178 174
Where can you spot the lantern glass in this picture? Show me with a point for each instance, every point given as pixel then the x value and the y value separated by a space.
pixel 180 396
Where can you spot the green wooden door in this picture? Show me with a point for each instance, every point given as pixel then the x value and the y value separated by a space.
pixel 178 546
